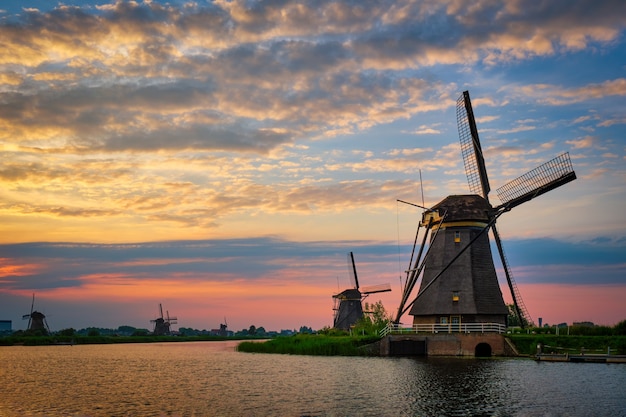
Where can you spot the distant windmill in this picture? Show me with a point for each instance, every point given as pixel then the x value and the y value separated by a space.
pixel 162 324
pixel 36 320
pixel 459 281
pixel 348 303
pixel 224 328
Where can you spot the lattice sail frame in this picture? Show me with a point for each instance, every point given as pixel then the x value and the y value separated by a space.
pixel 470 147
pixel 540 180
pixel 372 289
pixel 354 280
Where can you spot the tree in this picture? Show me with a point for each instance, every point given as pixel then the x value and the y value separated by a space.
pixel 305 329
pixel 512 320
pixel 67 332
pixel 374 320
pixel 380 317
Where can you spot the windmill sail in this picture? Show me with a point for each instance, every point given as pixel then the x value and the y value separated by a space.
pixel 546 177
pixel 470 147
pixel 373 289
pixel 352 270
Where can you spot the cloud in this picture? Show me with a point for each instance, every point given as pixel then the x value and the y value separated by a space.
pixel 224 276
pixel 426 130
pixel 586 142
pixel 173 120
pixel 61 265
pixel 133 75
pixel 554 95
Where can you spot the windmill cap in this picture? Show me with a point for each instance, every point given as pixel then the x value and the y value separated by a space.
pixel 464 208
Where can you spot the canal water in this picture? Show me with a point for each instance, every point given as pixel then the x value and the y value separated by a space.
pixel 212 379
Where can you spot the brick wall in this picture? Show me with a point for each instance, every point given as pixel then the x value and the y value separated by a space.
pixel 456 344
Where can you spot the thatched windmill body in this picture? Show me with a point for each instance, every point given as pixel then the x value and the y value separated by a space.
pixel 348 304
pixel 162 323
pixel 459 281
pixel 36 320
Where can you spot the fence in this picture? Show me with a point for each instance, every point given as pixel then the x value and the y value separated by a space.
pixel 435 328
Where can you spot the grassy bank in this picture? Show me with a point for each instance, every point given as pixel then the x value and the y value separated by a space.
pixel 526 344
pixel 312 345
pixel 356 346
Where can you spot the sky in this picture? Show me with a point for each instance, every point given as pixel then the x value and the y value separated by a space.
pixel 223 158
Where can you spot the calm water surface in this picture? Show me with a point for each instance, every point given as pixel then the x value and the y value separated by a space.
pixel 211 379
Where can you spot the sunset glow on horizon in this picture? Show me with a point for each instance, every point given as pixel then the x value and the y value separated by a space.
pixel 222 158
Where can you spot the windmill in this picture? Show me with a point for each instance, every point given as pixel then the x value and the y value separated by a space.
pixel 36 320
pixel 162 324
pixel 224 328
pixel 348 305
pixel 459 281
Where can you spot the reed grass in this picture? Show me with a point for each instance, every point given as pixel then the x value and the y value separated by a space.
pixel 312 345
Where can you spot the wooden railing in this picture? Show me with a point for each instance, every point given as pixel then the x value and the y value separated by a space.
pixel 435 328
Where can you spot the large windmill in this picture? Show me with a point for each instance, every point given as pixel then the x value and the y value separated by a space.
pixel 36 319
pixel 348 303
pixel 162 324
pixel 459 282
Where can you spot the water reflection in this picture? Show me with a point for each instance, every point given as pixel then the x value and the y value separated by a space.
pixel 455 387
pixel 210 378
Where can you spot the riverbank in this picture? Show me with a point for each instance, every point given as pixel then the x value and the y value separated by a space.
pixel 323 345
pixel 526 345
pixel 105 340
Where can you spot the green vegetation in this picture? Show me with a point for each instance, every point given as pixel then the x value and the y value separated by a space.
pixel 526 344
pixel 306 344
pixel 513 320
pixel 573 339
pixel 330 341
pixel 338 343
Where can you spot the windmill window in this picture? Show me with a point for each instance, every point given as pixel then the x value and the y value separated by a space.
pixel 457 237
pixel 455 296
